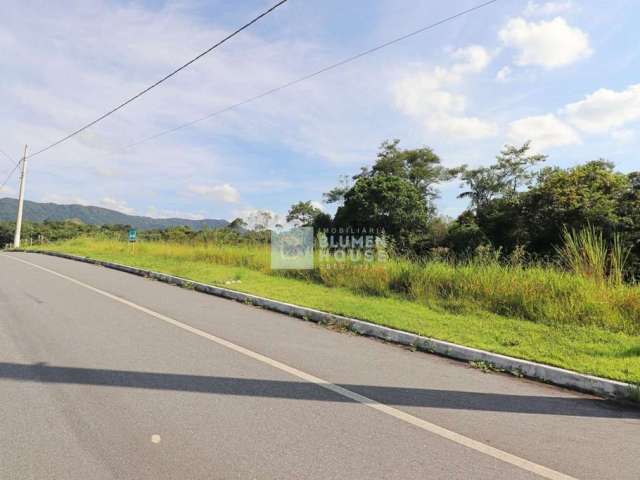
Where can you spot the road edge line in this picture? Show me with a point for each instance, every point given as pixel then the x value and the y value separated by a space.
pixel 535 371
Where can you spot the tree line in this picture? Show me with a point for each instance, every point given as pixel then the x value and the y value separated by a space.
pixel 35 233
pixel 516 205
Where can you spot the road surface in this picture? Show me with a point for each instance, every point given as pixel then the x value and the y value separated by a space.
pixel 105 375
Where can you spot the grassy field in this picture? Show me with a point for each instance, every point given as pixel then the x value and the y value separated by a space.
pixel 536 313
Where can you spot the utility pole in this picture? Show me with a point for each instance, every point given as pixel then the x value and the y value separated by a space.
pixel 23 179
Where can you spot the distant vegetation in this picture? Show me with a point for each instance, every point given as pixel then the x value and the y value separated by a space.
pixel 37 233
pixel 40 212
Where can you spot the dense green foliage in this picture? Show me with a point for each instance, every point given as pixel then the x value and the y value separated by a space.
pixel 515 207
pixel 51 231
pixel 36 233
pixel 592 195
pixel 305 214
pixel 386 202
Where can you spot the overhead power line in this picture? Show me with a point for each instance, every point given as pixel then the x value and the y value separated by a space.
pixel 313 74
pixel 163 79
pixel 298 80
pixel 10 174
pixel 7 155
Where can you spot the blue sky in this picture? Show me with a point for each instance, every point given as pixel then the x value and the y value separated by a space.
pixel 565 74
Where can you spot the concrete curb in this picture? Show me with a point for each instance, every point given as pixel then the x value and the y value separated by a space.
pixel 553 375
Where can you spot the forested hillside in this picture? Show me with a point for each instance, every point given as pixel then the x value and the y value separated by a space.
pixel 39 212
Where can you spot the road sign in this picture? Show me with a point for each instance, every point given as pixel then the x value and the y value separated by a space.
pixel 133 235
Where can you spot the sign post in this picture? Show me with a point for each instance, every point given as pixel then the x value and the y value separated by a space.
pixel 133 237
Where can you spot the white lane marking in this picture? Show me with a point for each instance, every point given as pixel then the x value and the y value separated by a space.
pixel 155 438
pixel 506 457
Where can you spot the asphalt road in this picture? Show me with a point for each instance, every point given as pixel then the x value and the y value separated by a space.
pixel 104 375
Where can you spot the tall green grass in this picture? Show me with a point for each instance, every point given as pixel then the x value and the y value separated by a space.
pixel 544 294
pixel 587 254
pixel 536 293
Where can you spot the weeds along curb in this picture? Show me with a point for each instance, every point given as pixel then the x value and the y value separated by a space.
pixel 536 371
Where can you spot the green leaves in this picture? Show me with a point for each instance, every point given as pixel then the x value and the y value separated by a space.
pixel 512 171
pixel 303 213
pixel 386 202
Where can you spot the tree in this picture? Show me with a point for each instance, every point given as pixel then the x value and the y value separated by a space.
pixel 420 166
pixel 483 186
pixel 504 223
pixel 514 167
pixel 496 194
pixel 386 202
pixel 504 179
pixel 589 194
pixel 303 214
pixel 259 219
pixel 336 194
pixel 464 235
pixel 630 215
pixel 395 194
pixel 237 224
pixel 322 221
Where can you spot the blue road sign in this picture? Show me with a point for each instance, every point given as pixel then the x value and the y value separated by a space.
pixel 133 235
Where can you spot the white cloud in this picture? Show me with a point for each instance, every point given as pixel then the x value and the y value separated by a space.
pixel 549 44
pixel 224 193
pixel 421 94
pixel 162 213
pixel 7 190
pixel 118 205
pixel 64 199
pixel 426 95
pixel 548 8
pixel 461 127
pixel 267 185
pixel 544 131
pixel 504 74
pixel 105 202
pixel 623 136
pixel 471 59
pixel 127 46
pixel 605 110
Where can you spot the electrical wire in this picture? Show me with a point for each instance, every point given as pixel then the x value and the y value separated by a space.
pixel 10 175
pixel 300 79
pixel 163 79
pixel 7 155
pixel 313 74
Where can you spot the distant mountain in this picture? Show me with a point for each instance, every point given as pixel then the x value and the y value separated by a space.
pixel 38 212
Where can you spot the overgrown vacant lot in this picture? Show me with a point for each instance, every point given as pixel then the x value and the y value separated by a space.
pixel 537 313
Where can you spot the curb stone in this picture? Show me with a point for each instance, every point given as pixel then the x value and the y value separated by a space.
pixel 524 368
